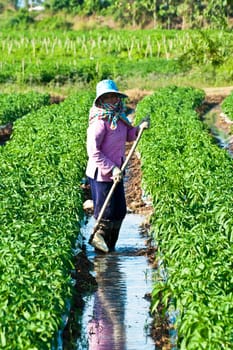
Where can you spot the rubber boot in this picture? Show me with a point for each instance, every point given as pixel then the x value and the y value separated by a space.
pixel 101 238
pixel 114 234
pixel 99 243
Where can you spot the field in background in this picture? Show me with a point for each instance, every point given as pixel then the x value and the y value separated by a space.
pixel 59 62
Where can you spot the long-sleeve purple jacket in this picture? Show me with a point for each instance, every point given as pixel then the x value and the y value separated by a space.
pixel 106 147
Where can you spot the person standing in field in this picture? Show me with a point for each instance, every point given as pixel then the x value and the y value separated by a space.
pixel 108 131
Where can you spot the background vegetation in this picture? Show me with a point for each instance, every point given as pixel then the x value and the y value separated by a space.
pixel 192 220
pixel 57 61
pixel 138 13
pixel 41 213
pixel 138 43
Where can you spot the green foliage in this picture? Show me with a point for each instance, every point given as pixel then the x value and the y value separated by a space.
pixel 87 56
pixel 55 22
pixel 227 106
pixel 216 13
pixel 141 13
pixel 206 48
pixel 226 70
pixel 22 20
pixel 57 5
pixel 87 7
pixel 41 212
pixel 156 66
pixel 1 7
pixel 192 220
pixel 14 106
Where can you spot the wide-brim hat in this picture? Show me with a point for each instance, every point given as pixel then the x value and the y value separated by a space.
pixel 107 86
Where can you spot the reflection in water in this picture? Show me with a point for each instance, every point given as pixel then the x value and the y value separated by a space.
pixel 116 316
pixel 106 329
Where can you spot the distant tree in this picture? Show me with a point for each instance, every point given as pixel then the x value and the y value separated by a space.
pixel 163 13
pixel 215 13
pixel 57 5
pixel 186 11
pixel 134 12
pixel 2 7
pixel 149 12
pixel 168 12
pixel 86 7
pixel 152 7
pixel 9 3
pixel 90 7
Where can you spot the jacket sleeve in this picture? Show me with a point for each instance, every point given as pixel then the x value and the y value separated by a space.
pixel 132 133
pixel 95 137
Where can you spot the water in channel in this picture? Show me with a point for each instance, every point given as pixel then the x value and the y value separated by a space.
pixel 116 316
pixel 223 138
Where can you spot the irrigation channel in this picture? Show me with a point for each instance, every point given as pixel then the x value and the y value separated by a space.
pixel 116 316
pixel 220 127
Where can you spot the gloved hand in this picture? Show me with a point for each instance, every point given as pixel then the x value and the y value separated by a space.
pixel 117 174
pixel 144 123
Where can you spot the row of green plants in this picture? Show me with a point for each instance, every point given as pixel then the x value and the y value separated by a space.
pixel 227 106
pixel 83 56
pixel 189 179
pixel 16 105
pixel 41 212
pixel 88 56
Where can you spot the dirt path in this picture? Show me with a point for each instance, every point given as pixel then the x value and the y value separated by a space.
pixel 218 91
pixel 135 95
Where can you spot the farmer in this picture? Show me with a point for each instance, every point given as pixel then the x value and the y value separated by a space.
pixel 108 131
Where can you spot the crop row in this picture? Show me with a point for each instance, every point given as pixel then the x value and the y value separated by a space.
pixel 95 43
pixel 189 179
pixel 227 106
pixel 41 211
pixel 86 56
pixel 14 106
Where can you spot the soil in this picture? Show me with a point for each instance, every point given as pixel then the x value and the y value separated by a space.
pixel 85 282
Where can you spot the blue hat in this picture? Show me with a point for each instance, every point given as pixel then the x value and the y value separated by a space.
pixel 106 86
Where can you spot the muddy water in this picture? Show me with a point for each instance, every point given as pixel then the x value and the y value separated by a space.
pixel 116 316
pixel 223 137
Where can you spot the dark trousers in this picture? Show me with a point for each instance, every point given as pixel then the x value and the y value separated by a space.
pixel 116 208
